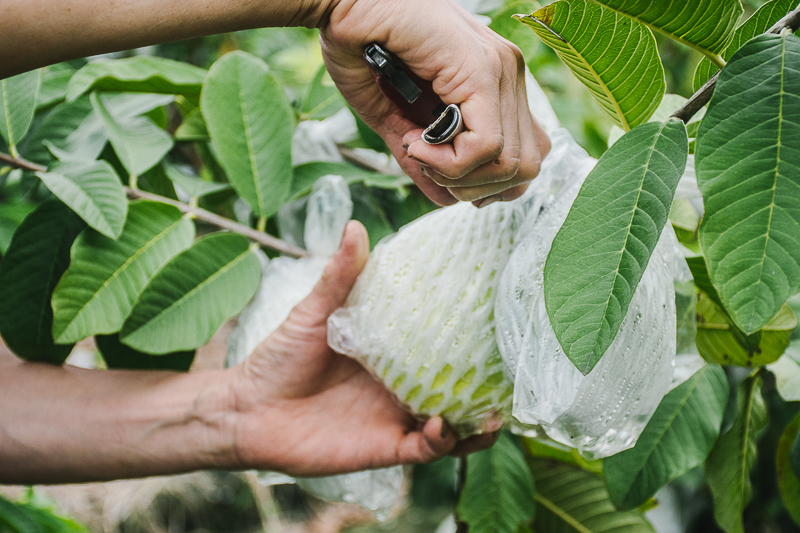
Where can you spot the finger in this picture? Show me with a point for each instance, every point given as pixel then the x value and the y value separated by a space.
pixel 433 442
pixel 339 276
pixel 438 194
pixel 475 444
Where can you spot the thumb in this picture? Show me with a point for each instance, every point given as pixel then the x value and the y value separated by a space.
pixel 339 276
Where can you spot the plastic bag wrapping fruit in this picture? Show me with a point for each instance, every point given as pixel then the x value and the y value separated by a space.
pixel 284 284
pixel 603 412
pixel 420 316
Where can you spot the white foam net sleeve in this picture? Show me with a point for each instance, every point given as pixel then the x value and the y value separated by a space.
pixel 603 412
pixel 285 283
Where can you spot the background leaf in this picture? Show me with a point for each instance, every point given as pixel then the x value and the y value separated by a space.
pixel 36 259
pixel 138 74
pixel 251 123
pixel 733 457
pixel 758 23
pixel 193 295
pixel 106 276
pixel 718 341
pixel 788 481
pixel 678 437
pixel 17 104
pixel 600 253
pixel 749 173
pixel 705 25
pixel 92 189
pixel 307 174
pixel 193 127
pixel 787 373
pixel 192 185
pixel 117 355
pixel 629 84
pixel 138 142
pixel 322 98
pixel 498 493
pixel 570 500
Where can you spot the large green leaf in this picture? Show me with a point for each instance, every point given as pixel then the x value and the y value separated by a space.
pixel 600 253
pixel 91 189
pixel 748 169
pixel 53 88
pixel 17 104
pixel 613 55
pixel 36 259
pixel 106 276
pixel 117 355
pixel 570 500
pixel 718 340
pixel 787 373
pixel 193 295
pixel 138 142
pixel 733 457
pixel 788 480
pixel 322 98
pixel 250 122
pixel 678 437
pixel 504 25
pixel 794 455
pixel 12 213
pixel 498 494
pixel 26 517
pixel 138 74
pixel 761 21
pixel 705 25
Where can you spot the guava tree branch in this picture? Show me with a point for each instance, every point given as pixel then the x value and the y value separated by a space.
pixel 259 237
pixel 702 97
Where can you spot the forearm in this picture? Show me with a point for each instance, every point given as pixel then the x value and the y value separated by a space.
pixel 65 424
pixel 35 33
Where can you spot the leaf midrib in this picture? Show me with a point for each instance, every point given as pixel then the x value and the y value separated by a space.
pixel 7 112
pixel 745 436
pixel 91 199
pixel 563 515
pixel 248 140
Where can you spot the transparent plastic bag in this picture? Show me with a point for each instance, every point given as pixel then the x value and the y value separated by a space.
pixel 284 284
pixel 420 316
pixel 603 412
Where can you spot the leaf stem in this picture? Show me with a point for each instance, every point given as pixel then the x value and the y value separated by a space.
pixel 260 237
pixel 703 96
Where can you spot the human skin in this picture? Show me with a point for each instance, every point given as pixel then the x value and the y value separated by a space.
pixel 293 406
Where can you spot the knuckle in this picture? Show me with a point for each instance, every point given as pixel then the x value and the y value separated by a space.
pixel 506 168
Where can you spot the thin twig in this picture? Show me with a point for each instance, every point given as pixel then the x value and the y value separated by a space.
pixel 261 238
pixel 703 96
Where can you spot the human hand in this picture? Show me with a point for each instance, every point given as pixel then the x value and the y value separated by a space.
pixel 470 65
pixel 331 415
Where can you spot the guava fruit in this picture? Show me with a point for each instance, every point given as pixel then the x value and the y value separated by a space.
pixel 421 315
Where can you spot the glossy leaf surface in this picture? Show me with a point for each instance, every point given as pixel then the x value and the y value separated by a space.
pixel 748 169
pixel 600 253
pixel 788 480
pixel 628 83
pixel 193 295
pixel 17 104
pixel 96 294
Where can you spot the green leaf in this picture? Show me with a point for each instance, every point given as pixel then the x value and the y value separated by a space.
pixel 705 25
pixel 14 520
pixel 193 295
pixel 117 355
pixel 53 88
pixel 748 162
pixel 192 185
pixel 29 518
pixel 788 480
pixel 761 21
pixel 733 457
pixel 678 437
pixel 684 218
pixel 17 104
pixel 251 123
pixel 307 174
pixel 498 493
pixel 367 211
pixel 718 341
pixel 787 373
pixel 569 500
pixel 91 189
pixel 600 253
pixel 12 213
pixel 503 24
pixel 36 259
pixel 106 276
pixel 794 455
pixel 193 127
pixel 322 98
pixel 138 74
pixel 628 83
pixel 138 142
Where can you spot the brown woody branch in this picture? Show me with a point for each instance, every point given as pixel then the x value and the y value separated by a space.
pixel 703 96
pixel 261 238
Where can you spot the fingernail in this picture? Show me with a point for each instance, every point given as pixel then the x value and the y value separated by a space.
pixel 445 430
pixel 405 147
pixel 488 201
pixel 424 170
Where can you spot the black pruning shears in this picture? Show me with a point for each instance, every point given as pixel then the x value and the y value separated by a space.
pixel 414 96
